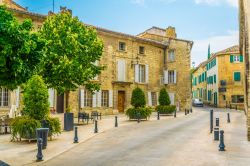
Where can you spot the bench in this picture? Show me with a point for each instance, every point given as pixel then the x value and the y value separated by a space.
pixel 84 117
pixel 96 115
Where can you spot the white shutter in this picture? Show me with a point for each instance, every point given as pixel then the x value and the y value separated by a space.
pixel 175 76
pixel 94 99
pixel 17 96
pixel 111 98
pixel 149 99
pixel 82 98
pixel 165 76
pixel 99 98
pixel 121 69
pixel 137 73
pixel 51 97
pixel 171 96
pixel 157 98
pixel 147 73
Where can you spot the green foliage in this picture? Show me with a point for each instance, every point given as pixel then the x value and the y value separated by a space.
pixel 36 104
pixel 20 50
pixel 164 97
pixel 169 109
pixel 71 53
pixel 24 127
pixel 53 124
pixel 138 98
pixel 145 112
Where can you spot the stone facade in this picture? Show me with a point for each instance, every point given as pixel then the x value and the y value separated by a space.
pixel 244 21
pixel 215 82
pixel 150 60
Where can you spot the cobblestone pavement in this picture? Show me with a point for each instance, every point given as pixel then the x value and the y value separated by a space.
pixel 184 141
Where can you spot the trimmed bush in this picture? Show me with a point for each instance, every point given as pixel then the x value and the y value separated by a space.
pixel 169 109
pixel 53 124
pixel 36 103
pixel 24 127
pixel 145 113
pixel 164 97
pixel 138 98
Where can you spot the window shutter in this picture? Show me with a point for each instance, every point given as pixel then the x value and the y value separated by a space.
pixel 136 73
pixel 171 96
pixel 51 97
pixel 241 58
pixel 121 69
pixel 231 58
pixel 82 98
pixel 175 76
pixel 99 98
pixel 157 98
pixel 94 97
pixel 165 76
pixel 237 76
pixel 17 96
pixel 149 99
pixel 111 98
pixel 147 73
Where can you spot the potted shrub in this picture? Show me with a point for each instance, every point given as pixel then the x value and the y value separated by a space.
pixel 138 102
pixel 164 101
pixel 68 120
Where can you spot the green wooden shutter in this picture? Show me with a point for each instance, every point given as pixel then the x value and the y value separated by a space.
pixel 214 78
pixel 231 58
pixel 241 58
pixel 236 76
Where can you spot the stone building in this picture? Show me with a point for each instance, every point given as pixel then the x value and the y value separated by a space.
pixel 151 60
pixel 244 22
pixel 219 80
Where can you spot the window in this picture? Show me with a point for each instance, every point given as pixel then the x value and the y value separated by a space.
pixel 4 97
pixel 141 50
pixel 105 98
pixel 224 97
pixel 236 59
pixel 171 77
pixel 88 98
pixel 237 99
pixel 122 46
pixel 142 73
pixel 154 98
pixel 171 56
pixel 236 76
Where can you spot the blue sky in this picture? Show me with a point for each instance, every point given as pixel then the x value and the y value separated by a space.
pixel 203 21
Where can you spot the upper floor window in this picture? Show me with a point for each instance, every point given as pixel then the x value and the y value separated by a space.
pixel 88 98
pixel 171 55
pixel 171 77
pixel 122 46
pixel 142 73
pixel 236 58
pixel 105 98
pixel 4 97
pixel 141 50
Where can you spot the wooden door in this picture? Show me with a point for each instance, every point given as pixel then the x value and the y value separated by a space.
pixel 60 104
pixel 121 101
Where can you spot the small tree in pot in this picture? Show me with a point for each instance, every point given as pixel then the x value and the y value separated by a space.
pixel 164 101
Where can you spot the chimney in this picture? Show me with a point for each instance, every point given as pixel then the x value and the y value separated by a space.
pixel 170 32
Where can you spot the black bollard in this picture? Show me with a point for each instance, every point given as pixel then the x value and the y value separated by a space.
pixel 222 145
pixel 191 110
pixel 217 122
pixel 158 115
pixel 236 107
pixel 185 111
pixel 216 134
pixel 211 120
pixel 76 135
pixel 230 106
pixel 228 118
pixel 175 113
pixel 96 128
pixel 39 156
pixel 116 121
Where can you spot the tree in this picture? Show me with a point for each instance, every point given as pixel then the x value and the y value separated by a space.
pixel 20 50
pixel 138 98
pixel 164 97
pixel 71 53
pixel 36 104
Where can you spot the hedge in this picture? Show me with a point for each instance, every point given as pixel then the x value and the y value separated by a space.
pixel 166 109
pixel 145 113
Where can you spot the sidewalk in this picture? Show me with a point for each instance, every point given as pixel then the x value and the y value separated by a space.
pixel 24 153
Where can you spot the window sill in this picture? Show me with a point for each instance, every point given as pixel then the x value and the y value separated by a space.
pixel 171 61
pixel 141 83
pixel 122 51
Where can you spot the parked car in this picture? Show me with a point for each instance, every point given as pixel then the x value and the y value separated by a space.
pixel 197 103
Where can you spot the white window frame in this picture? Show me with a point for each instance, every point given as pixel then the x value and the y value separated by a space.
pixel 154 101
pixel 4 92
pixel 88 98
pixel 105 98
pixel 171 75
pixel 236 58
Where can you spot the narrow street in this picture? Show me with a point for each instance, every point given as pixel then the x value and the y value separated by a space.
pixel 181 141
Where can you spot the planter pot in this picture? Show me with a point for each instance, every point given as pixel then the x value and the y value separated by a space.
pixel 68 121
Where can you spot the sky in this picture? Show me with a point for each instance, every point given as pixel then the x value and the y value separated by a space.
pixel 205 22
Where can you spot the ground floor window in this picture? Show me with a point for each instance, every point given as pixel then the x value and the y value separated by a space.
pixel 88 98
pixel 154 98
pixel 4 97
pixel 237 99
pixel 105 98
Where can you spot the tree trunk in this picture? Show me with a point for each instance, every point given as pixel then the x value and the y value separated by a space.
pixel 67 99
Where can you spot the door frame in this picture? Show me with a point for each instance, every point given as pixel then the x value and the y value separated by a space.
pixel 124 94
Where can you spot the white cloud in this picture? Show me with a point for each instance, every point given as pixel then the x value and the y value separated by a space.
pixel 218 43
pixel 233 3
